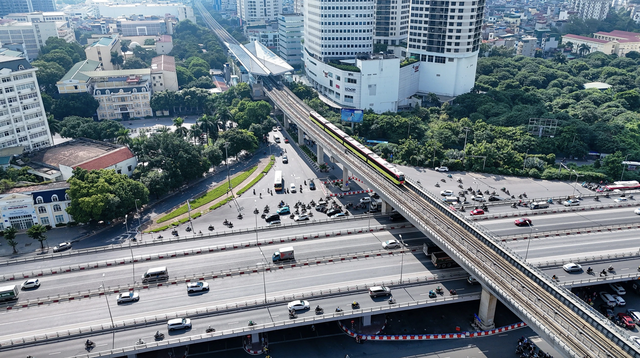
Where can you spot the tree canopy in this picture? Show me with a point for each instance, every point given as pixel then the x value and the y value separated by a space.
pixel 74 127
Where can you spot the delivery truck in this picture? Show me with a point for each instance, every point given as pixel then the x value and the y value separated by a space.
pixel 285 253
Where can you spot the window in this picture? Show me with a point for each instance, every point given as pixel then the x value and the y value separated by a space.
pixel 59 219
pixel 57 208
pixel 119 171
pixel 44 220
pixel 129 168
pixel 54 197
pixel 39 200
pixel 42 210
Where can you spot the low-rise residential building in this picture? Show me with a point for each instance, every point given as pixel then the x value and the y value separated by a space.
pixel 163 73
pixel 164 44
pixel 101 51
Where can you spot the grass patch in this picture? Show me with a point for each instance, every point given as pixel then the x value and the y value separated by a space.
pixel 210 196
pixel 257 179
pixel 162 228
pixel 311 154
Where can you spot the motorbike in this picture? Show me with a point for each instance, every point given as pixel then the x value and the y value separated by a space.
pixel 230 225
pixel 439 289
pixel 460 186
pixel 503 189
pixel 281 204
pixel 251 323
pixel 449 176
pixel 443 180
pixel 292 314
pixel 513 205
pixel 603 273
pixel 159 236
pixel 610 269
pixel 462 209
pixel 487 192
pixel 210 329
pixel 338 309
pixel 211 228
pixel 158 336
pixel 392 300
pixel 140 341
pixel 239 216
pixel 226 222
pixel 188 229
pixel 524 194
pixel 590 271
pixel 452 292
pixel 459 180
pixel 355 305
pixel 437 185
pixel 319 310
pixel 89 344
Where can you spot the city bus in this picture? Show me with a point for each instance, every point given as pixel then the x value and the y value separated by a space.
pixel 277 184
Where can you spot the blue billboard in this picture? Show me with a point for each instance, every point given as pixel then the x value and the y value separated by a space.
pixel 351 115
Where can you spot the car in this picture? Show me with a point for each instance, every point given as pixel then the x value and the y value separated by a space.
pixel 620 200
pixel 62 246
pixel 635 339
pixel 391 244
pixel 125 297
pixel 377 291
pixel 479 198
pixel 571 203
pixel 397 217
pixel 30 283
pixel 572 267
pixel 286 140
pixel 178 323
pixel 285 160
pixel 292 188
pixel 608 299
pixel 442 169
pixel 626 321
pixel 607 311
pixel 446 192
pixel 301 217
pixel 618 289
pixel 337 215
pixel 275 223
pixel 477 212
pixel 634 314
pixel 275 129
pixel 279 128
pixel 522 222
pixel 272 217
pixel 284 210
pixel 365 200
pixel 333 212
pixel 197 286
pixel 619 300
pixel 472 280
pixel 298 305
pixel 276 139
pixel 312 185
pixel 495 198
pixel 637 211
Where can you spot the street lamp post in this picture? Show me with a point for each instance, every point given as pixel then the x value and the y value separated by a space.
pixel 256 212
pixel 113 326
pixel 625 159
pixel 226 155
pixel 139 222
pixel 529 242
pixel 133 266
pixel 576 183
pixel 402 262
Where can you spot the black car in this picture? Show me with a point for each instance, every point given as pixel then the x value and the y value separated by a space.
pixel 272 217
pixel 495 198
pixel 397 217
pixel 333 212
pixel 312 185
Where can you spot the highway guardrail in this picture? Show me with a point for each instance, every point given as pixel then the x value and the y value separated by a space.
pixel 567 232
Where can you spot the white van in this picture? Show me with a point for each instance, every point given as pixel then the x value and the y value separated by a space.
pixel 450 199
pixel 156 274
pixel 608 299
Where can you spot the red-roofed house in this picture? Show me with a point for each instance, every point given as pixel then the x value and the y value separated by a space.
pixel 625 41
pixel 608 47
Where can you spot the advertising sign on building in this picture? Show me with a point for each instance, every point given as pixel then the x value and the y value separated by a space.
pixel 351 115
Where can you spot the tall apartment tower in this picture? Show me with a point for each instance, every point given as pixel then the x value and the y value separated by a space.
pixel 258 11
pixel 591 9
pixel 25 6
pixel 392 22
pixel 445 36
pixel 338 29
pixel 23 120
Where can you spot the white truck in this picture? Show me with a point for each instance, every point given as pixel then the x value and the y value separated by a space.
pixel 285 253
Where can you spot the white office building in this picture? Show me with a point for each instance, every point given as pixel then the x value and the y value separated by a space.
pixel 258 11
pixel 115 10
pixel 445 36
pixel 392 22
pixel 34 35
pixel 591 9
pixel 290 31
pixel 23 120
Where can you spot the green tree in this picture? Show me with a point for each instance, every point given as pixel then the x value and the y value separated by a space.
pixel 37 232
pixel 10 236
pixel 583 49
pixel 195 133
pixel 123 137
pixel 75 127
pixel 116 59
pixel 54 125
pixel 134 63
pixel 156 181
pixel 48 74
pixel 149 42
pixel 60 57
pixel 184 76
pixel 239 140
pixel 75 104
pixel 103 195
pixel 214 155
pixel 124 45
pixel 180 129
pixel 209 127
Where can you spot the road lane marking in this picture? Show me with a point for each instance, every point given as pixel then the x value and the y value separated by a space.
pixel 54 353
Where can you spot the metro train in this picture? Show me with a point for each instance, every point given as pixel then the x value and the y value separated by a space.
pixel 355 147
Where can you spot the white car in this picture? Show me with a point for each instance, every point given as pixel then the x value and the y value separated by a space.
pixel 619 300
pixel 446 192
pixel 275 223
pixel 620 200
pixel 637 211
pixel 571 267
pixel 197 287
pixel 608 299
pixel 178 323
pixel 618 289
pixel 62 246
pixel 298 305
pixel 479 198
pixel 635 339
pixel 338 215
pixel 365 200
pixel 634 314
pixel 275 129
pixel 31 283
pixel 132 296
pixel 442 169
pixel 302 217
pixel 571 203
pixel 292 188
pixel 279 128
pixel 391 244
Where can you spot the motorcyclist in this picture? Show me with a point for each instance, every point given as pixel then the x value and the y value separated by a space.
pixel 355 303
pixel 610 268
pixel 318 309
pixel 589 270
pixel 604 272
pixel 158 334
pixel 88 343
pixel 554 277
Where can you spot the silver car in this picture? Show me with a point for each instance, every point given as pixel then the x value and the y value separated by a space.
pixel 178 323
pixel 125 297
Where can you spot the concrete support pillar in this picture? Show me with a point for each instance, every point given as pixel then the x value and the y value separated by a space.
pixel 320 154
pixel 255 338
pixel 300 136
pixel 385 207
pixel 131 355
pixel 366 320
pixel 487 310
pixel 345 178
pixel 285 120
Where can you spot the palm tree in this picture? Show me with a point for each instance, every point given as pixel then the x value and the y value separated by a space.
pixel 223 115
pixel 195 133
pixel 163 130
pixel 10 236
pixel 584 49
pixel 569 45
pixel 122 137
pixel 208 125
pixel 36 232
pixel 560 58
pixel 180 130
pixel 54 125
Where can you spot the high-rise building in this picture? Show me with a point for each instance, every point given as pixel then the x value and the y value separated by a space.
pixel 25 6
pixel 23 120
pixel 591 9
pixel 258 11
pixel 34 35
pixel 392 22
pixel 290 30
pixel 115 10
pixel 445 36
